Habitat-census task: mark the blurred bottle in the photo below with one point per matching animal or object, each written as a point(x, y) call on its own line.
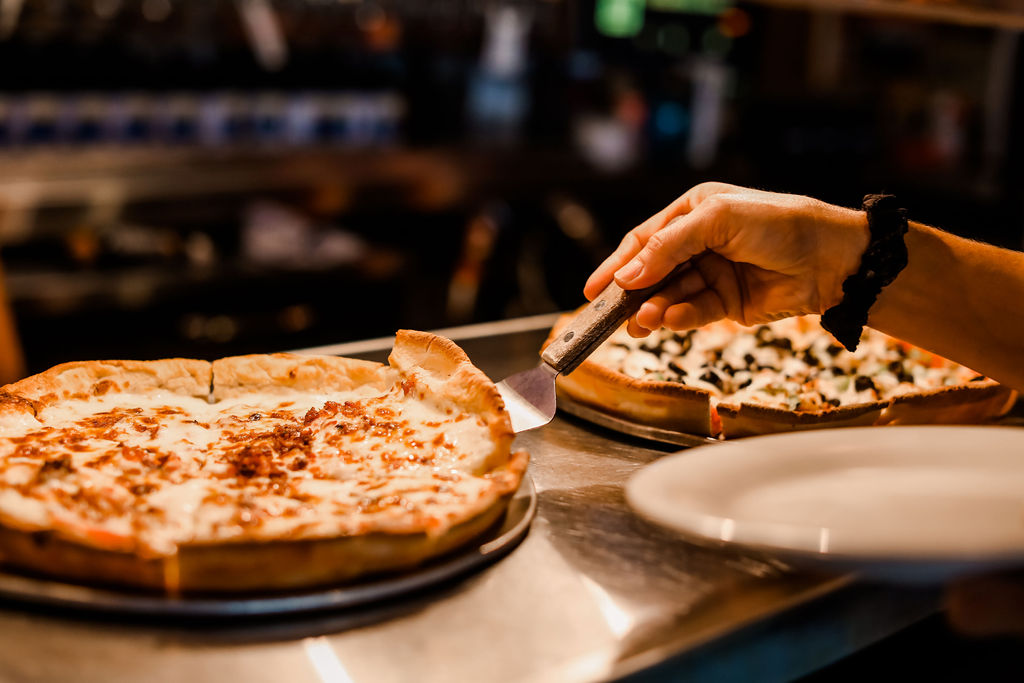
point(300, 119)
point(82, 119)
point(129, 118)
point(177, 118)
point(221, 119)
point(479, 242)
point(34, 119)
point(710, 81)
point(268, 115)
point(498, 98)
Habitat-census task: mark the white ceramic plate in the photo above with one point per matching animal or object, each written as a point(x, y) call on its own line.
point(915, 504)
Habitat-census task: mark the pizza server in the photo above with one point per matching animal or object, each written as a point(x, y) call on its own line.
point(530, 395)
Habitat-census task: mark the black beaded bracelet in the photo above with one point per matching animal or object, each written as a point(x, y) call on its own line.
point(882, 261)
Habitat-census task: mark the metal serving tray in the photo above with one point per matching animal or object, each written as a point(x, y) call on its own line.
point(585, 412)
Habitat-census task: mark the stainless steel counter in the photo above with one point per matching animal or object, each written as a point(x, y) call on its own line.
point(592, 593)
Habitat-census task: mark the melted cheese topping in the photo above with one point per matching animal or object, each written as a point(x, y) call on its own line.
point(148, 472)
point(792, 364)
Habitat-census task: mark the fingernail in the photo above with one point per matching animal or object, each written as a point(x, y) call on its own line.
point(629, 271)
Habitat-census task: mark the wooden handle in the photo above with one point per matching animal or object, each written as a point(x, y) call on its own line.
point(595, 323)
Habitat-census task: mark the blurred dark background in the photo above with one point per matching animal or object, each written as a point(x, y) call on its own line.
point(208, 177)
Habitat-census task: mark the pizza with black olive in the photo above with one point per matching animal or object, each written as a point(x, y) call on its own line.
point(252, 472)
point(728, 380)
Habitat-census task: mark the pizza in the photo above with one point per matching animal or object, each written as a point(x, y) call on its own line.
point(728, 381)
point(251, 473)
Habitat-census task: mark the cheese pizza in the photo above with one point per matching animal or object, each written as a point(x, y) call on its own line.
point(728, 380)
point(253, 472)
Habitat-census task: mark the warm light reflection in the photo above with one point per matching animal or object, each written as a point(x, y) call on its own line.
point(618, 620)
point(823, 539)
point(325, 661)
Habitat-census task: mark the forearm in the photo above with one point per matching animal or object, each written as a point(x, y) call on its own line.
point(960, 299)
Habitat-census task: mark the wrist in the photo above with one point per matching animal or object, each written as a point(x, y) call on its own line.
point(844, 237)
point(884, 259)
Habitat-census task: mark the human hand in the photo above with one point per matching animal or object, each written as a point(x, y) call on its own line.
point(756, 257)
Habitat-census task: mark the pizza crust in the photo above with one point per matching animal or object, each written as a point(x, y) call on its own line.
point(435, 366)
point(961, 404)
point(667, 405)
point(279, 373)
point(747, 419)
point(82, 379)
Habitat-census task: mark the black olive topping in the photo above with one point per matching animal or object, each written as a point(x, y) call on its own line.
point(862, 383)
point(712, 378)
point(763, 334)
point(834, 402)
point(834, 350)
point(897, 368)
point(810, 359)
point(745, 383)
point(676, 368)
point(749, 359)
point(685, 341)
point(781, 343)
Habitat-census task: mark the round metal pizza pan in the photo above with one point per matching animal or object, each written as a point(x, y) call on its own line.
point(497, 543)
point(617, 424)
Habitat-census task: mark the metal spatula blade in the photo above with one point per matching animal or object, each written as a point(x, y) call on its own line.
point(530, 395)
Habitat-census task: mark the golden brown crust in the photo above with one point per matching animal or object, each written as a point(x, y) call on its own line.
point(282, 372)
point(668, 405)
point(747, 419)
point(83, 379)
point(958, 404)
point(446, 370)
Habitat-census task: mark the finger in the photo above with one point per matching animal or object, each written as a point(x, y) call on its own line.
point(636, 330)
point(649, 315)
point(652, 312)
point(702, 308)
point(631, 243)
point(636, 238)
point(681, 239)
point(720, 275)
